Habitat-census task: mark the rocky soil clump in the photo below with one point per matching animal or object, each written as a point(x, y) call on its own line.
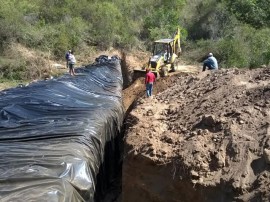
point(205, 138)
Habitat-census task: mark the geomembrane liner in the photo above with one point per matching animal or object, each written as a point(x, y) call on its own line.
point(55, 136)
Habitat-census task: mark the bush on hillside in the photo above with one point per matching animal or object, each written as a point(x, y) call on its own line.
point(13, 69)
point(247, 47)
point(256, 13)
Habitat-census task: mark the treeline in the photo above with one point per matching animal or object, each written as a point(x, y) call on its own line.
point(57, 25)
point(236, 31)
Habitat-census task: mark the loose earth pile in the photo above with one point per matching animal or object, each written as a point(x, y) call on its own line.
point(205, 138)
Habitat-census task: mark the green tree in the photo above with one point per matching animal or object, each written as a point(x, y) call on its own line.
point(164, 19)
point(106, 19)
point(253, 12)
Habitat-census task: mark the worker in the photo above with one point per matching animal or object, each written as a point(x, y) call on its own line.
point(71, 63)
point(67, 56)
point(211, 62)
point(166, 56)
point(149, 82)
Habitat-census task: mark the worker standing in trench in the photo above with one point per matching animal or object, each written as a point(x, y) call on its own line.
point(149, 82)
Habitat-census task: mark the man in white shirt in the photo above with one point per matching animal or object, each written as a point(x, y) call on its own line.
point(71, 63)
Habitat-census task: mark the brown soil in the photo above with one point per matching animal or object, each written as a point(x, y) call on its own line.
point(202, 137)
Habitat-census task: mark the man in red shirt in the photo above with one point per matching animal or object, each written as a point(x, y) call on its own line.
point(149, 81)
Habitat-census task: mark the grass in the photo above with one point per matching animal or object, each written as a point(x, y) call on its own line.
point(5, 83)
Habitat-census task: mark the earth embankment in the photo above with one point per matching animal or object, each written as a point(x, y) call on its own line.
point(202, 137)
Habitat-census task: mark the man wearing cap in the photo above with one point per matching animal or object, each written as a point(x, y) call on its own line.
point(211, 62)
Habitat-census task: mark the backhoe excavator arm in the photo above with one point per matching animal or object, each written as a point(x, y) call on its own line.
point(176, 43)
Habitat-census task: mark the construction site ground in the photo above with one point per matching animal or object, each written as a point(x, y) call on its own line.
point(203, 136)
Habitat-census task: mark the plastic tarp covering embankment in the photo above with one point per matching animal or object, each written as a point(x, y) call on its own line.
point(58, 138)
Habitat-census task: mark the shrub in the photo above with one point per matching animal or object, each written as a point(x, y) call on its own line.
point(245, 47)
point(13, 69)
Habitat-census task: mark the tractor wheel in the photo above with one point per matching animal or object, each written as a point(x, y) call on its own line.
point(164, 71)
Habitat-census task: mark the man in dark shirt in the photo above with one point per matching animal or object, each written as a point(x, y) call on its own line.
point(67, 57)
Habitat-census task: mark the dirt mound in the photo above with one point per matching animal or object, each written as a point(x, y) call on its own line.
point(205, 138)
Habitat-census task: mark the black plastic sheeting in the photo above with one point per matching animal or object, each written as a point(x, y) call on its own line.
point(58, 138)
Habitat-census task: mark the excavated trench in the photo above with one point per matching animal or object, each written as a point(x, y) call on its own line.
point(133, 90)
point(196, 139)
point(131, 95)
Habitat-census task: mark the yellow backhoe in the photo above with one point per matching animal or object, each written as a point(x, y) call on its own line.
point(164, 55)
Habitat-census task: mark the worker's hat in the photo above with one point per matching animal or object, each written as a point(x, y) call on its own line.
point(210, 54)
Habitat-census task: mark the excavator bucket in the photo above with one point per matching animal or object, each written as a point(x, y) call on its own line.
point(138, 73)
